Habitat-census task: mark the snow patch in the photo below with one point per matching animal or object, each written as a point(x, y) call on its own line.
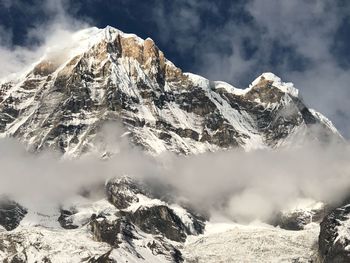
point(286, 87)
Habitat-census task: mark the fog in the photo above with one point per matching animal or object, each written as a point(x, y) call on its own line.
point(256, 185)
point(244, 186)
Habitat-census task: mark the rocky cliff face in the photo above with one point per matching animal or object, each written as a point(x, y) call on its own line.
point(334, 238)
point(65, 99)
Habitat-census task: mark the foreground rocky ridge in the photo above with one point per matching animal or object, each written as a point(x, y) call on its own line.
point(142, 228)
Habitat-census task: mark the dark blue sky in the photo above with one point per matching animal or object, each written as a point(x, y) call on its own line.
point(140, 17)
point(131, 16)
point(306, 42)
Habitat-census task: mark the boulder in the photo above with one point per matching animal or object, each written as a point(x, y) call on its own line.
point(160, 220)
point(112, 232)
point(122, 192)
point(65, 219)
point(298, 218)
point(11, 214)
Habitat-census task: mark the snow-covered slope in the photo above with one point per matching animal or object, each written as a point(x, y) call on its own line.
point(254, 243)
point(132, 225)
point(105, 75)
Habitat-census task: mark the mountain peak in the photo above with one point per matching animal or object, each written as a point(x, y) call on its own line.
point(275, 81)
point(108, 33)
point(105, 75)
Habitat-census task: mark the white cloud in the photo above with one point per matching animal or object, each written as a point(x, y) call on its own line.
point(307, 28)
point(244, 186)
point(55, 30)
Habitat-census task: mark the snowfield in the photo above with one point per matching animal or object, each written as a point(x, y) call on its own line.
point(226, 242)
point(253, 243)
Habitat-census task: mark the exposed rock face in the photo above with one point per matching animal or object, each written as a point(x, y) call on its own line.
point(11, 214)
point(293, 221)
point(65, 219)
point(112, 232)
point(298, 219)
point(334, 238)
point(105, 258)
point(122, 192)
point(154, 218)
point(111, 76)
point(121, 230)
point(160, 220)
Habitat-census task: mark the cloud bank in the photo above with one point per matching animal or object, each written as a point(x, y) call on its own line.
point(243, 186)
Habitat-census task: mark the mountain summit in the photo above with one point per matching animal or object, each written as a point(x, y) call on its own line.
point(105, 75)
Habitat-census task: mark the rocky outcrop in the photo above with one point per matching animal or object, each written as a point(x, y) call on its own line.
point(157, 217)
point(121, 232)
point(160, 220)
point(334, 238)
point(11, 213)
point(123, 191)
point(105, 258)
point(298, 219)
point(293, 221)
point(112, 232)
point(65, 219)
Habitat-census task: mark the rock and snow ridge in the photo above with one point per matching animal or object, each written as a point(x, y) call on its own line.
point(105, 75)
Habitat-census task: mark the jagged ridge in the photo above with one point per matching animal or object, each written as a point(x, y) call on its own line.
point(107, 75)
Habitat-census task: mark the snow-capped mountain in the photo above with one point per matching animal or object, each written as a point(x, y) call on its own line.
point(104, 75)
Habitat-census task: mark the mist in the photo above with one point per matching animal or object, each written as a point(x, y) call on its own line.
point(244, 186)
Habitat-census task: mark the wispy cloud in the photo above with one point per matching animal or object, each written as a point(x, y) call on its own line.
point(56, 24)
point(294, 39)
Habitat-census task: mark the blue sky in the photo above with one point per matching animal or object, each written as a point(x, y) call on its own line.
point(303, 41)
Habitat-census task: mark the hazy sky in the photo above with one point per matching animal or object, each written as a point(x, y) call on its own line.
point(306, 42)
